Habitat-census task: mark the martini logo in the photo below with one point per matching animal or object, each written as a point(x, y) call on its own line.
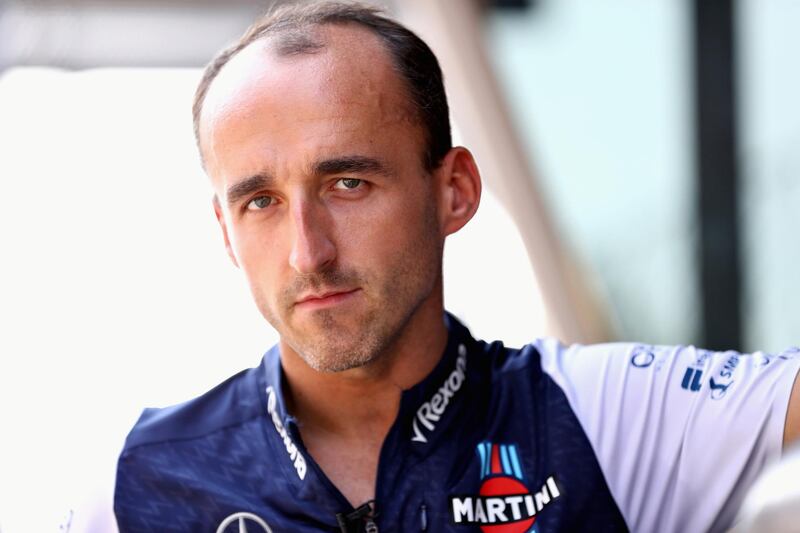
point(504, 504)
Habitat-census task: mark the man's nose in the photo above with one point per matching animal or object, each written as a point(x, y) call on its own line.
point(313, 249)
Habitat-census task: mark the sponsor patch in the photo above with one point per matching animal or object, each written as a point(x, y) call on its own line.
point(296, 457)
point(724, 379)
point(431, 411)
point(693, 376)
point(244, 522)
point(504, 504)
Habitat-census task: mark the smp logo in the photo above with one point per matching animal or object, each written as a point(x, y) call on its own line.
point(720, 386)
point(504, 504)
point(719, 390)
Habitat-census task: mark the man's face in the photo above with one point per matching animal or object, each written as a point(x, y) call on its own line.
point(316, 163)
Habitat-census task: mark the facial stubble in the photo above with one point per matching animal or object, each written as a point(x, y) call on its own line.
point(335, 340)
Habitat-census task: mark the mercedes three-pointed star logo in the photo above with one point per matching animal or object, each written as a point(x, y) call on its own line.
point(243, 520)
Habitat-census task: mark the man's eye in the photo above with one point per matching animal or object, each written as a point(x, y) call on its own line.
point(259, 202)
point(347, 183)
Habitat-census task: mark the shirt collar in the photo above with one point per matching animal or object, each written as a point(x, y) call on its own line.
point(274, 380)
point(429, 407)
point(425, 409)
point(284, 426)
point(298, 467)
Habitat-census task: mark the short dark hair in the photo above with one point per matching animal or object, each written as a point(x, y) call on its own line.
point(413, 59)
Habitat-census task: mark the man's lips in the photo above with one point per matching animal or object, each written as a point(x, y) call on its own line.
point(326, 298)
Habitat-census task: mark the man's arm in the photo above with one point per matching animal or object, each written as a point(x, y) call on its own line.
point(694, 426)
point(791, 432)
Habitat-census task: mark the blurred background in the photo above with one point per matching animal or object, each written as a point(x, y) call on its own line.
point(641, 161)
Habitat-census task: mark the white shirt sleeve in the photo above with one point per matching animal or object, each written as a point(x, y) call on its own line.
point(680, 433)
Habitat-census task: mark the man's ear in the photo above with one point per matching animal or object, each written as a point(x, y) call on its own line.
point(459, 189)
point(224, 227)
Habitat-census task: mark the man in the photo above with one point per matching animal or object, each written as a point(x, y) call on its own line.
point(326, 137)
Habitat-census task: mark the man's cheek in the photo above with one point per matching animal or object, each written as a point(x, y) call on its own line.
point(254, 250)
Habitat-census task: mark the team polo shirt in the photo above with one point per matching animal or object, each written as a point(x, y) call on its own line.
point(546, 438)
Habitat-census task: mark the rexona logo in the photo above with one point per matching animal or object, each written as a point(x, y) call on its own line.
point(431, 411)
point(504, 504)
point(294, 454)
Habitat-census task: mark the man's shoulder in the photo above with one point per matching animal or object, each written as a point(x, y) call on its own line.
point(504, 362)
point(232, 402)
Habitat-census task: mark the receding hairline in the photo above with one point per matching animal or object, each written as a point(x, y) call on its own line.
point(409, 56)
point(309, 39)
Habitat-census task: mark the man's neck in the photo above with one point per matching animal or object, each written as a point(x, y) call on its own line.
point(363, 399)
point(344, 417)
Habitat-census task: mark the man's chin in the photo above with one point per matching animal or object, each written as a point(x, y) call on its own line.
point(330, 349)
point(332, 342)
point(334, 358)
point(335, 365)
point(323, 327)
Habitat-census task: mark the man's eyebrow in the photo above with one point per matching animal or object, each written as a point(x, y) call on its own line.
point(350, 164)
point(247, 186)
point(357, 164)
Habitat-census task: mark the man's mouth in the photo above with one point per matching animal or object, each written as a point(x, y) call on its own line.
point(328, 298)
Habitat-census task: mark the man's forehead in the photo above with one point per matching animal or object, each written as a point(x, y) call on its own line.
point(350, 84)
point(351, 63)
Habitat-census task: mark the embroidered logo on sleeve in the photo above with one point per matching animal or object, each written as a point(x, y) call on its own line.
point(692, 380)
point(724, 379)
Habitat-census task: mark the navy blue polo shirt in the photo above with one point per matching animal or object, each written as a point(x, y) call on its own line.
point(611, 437)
